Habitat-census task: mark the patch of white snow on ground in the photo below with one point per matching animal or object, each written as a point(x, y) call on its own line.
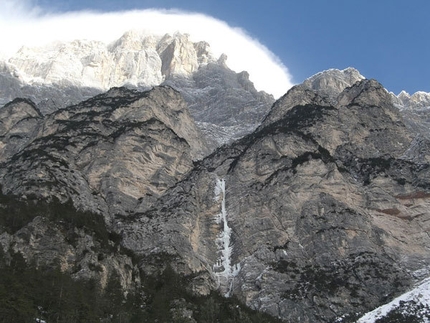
point(420, 294)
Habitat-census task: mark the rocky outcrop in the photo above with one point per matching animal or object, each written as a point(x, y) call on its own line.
point(55, 236)
point(107, 154)
point(82, 67)
point(320, 89)
point(225, 104)
point(19, 124)
point(69, 176)
point(297, 95)
point(413, 108)
point(418, 100)
point(329, 216)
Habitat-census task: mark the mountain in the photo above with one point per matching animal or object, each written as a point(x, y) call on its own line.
point(224, 103)
point(414, 108)
point(193, 201)
point(327, 208)
point(332, 82)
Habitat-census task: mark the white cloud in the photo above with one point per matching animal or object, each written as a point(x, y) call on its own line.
point(29, 25)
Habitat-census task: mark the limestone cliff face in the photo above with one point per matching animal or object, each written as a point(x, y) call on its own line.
point(107, 154)
point(332, 82)
point(85, 68)
point(327, 206)
point(413, 107)
point(319, 214)
point(47, 243)
point(136, 59)
point(418, 100)
point(103, 157)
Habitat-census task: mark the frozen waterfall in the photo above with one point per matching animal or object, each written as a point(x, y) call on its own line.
point(223, 268)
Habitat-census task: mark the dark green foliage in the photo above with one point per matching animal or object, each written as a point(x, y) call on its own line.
point(27, 293)
point(15, 214)
point(296, 121)
point(298, 118)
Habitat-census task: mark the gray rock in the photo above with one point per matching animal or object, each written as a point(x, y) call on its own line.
point(328, 216)
point(108, 154)
point(19, 123)
point(332, 82)
point(326, 202)
point(225, 104)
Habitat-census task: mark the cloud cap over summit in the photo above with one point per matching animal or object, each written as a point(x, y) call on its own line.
point(30, 25)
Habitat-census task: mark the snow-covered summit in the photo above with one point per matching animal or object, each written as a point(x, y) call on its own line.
point(332, 82)
point(417, 101)
point(136, 59)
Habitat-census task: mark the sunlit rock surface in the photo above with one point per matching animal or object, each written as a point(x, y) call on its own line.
point(225, 104)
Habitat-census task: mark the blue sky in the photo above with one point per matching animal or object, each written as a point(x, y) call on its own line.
point(384, 39)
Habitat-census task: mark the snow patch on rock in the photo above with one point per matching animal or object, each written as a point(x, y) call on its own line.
point(419, 297)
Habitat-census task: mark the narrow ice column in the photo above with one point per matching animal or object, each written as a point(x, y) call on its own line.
point(223, 268)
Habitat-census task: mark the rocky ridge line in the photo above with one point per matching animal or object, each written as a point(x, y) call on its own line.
point(224, 103)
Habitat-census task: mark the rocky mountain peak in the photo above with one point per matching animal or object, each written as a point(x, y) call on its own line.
point(317, 202)
point(318, 214)
point(111, 145)
point(418, 100)
point(297, 95)
point(414, 109)
point(133, 41)
point(332, 82)
point(322, 89)
point(136, 59)
point(365, 92)
point(222, 60)
point(179, 55)
point(225, 104)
